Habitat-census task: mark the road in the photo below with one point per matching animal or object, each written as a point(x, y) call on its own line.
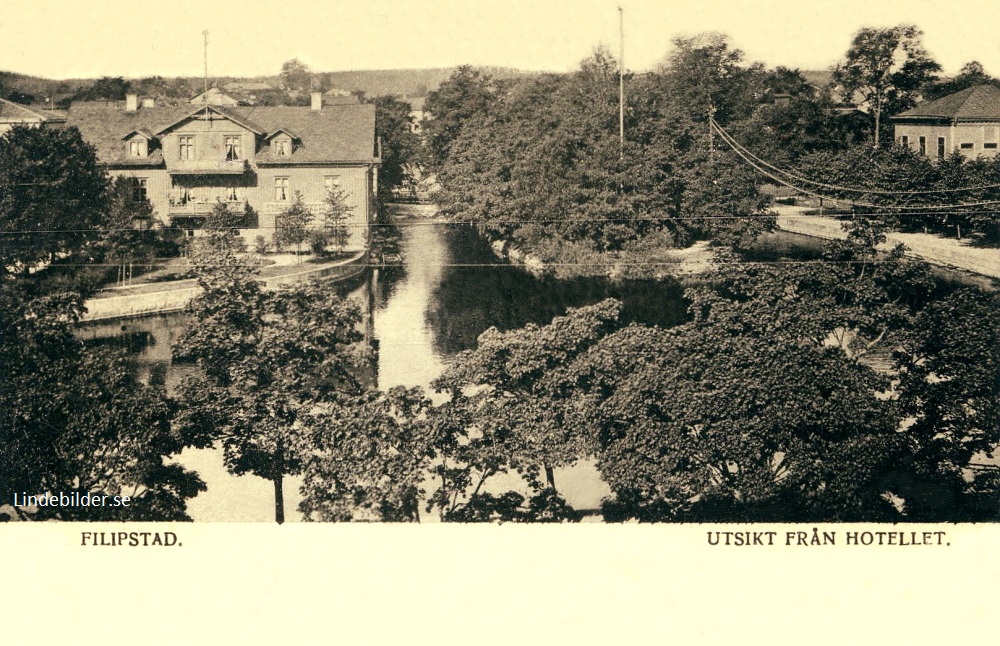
point(935, 249)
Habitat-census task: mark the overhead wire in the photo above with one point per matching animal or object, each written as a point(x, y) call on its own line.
point(750, 159)
point(849, 189)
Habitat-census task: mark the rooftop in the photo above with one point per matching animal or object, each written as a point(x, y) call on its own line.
point(336, 133)
point(10, 111)
point(979, 103)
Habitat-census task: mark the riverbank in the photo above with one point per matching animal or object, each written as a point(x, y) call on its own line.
point(933, 249)
point(173, 296)
point(658, 264)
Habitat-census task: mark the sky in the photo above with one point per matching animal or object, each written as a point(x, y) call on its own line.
point(91, 38)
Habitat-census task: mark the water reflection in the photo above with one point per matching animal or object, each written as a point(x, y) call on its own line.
point(475, 292)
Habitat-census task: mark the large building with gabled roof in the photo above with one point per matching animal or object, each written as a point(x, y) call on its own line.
point(967, 121)
point(256, 160)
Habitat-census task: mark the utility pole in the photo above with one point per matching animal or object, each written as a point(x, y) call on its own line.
point(621, 83)
point(204, 96)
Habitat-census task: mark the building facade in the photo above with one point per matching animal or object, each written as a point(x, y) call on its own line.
point(255, 160)
point(967, 122)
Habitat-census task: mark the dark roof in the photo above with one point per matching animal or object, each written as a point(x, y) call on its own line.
point(103, 124)
point(817, 78)
point(15, 111)
point(141, 131)
point(979, 103)
point(284, 130)
point(342, 133)
point(335, 133)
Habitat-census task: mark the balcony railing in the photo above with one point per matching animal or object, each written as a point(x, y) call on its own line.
point(196, 207)
point(207, 167)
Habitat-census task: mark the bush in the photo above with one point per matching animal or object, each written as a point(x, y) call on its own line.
point(260, 245)
point(318, 240)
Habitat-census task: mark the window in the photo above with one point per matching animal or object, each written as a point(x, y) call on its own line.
point(280, 189)
point(139, 189)
point(905, 141)
point(233, 148)
point(923, 145)
point(232, 195)
point(135, 148)
point(990, 145)
point(281, 147)
point(186, 146)
point(966, 146)
point(941, 148)
point(331, 182)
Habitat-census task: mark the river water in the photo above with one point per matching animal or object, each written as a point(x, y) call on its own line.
point(449, 290)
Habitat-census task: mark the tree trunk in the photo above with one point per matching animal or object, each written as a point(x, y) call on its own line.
point(279, 501)
point(550, 477)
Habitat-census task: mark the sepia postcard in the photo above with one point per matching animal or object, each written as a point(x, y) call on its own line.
point(450, 322)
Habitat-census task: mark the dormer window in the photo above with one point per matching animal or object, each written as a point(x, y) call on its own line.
point(137, 143)
point(282, 142)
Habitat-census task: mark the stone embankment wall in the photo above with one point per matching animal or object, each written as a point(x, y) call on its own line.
point(177, 294)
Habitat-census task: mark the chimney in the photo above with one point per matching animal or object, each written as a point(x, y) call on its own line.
point(131, 102)
point(149, 103)
point(317, 100)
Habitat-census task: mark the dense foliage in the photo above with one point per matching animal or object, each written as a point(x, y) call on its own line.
point(906, 190)
point(539, 161)
point(52, 194)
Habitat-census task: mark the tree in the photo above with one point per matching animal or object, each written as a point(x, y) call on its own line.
point(293, 224)
point(125, 232)
point(719, 419)
point(949, 365)
point(370, 458)
point(460, 101)
point(971, 75)
point(764, 407)
point(400, 145)
point(52, 194)
point(705, 73)
point(335, 215)
point(296, 76)
point(268, 360)
point(886, 67)
point(796, 120)
point(509, 410)
point(106, 88)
